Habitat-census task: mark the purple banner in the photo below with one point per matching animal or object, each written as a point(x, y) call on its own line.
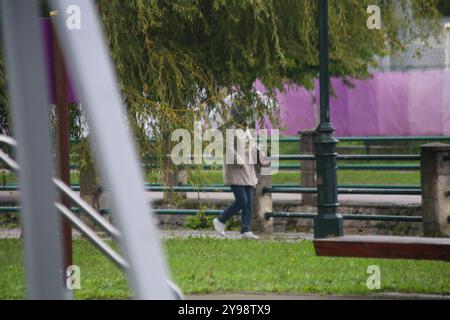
point(413, 103)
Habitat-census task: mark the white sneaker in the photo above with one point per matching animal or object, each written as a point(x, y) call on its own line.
point(219, 227)
point(249, 236)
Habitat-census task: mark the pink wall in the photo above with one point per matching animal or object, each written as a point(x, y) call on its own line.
point(414, 103)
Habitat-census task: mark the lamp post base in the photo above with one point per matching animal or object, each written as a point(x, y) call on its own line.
point(327, 226)
point(328, 222)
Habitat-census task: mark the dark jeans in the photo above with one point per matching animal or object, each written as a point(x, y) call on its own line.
point(243, 201)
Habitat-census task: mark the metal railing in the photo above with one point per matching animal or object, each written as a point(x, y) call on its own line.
point(155, 187)
point(356, 217)
point(93, 237)
point(362, 191)
point(118, 260)
point(352, 157)
point(75, 221)
point(275, 189)
point(297, 167)
point(192, 212)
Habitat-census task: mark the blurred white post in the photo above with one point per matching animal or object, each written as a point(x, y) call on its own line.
point(86, 52)
point(28, 94)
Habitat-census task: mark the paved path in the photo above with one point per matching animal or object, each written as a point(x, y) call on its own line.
point(233, 235)
point(9, 233)
point(183, 234)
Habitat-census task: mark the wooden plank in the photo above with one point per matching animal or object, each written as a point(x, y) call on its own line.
point(385, 247)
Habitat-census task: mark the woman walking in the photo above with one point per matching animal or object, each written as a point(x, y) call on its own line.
point(240, 175)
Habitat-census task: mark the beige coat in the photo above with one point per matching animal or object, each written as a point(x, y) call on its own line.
point(241, 171)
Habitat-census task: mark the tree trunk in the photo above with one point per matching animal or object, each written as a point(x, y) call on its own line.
point(90, 189)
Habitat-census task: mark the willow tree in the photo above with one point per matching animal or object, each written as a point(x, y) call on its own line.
point(444, 7)
point(178, 60)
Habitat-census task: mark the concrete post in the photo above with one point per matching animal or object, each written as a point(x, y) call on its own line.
point(262, 203)
point(435, 178)
point(308, 172)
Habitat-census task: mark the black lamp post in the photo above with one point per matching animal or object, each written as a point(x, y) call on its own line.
point(327, 223)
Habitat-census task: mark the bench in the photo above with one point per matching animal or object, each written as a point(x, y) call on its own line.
point(385, 247)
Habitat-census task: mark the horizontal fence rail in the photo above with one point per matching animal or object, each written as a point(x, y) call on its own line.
point(185, 212)
point(352, 157)
point(311, 157)
point(356, 217)
point(345, 191)
point(351, 167)
point(297, 167)
point(276, 188)
point(297, 215)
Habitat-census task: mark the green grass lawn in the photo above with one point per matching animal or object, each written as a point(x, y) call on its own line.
point(344, 177)
point(201, 266)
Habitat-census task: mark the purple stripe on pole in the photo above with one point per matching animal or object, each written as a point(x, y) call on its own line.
point(48, 52)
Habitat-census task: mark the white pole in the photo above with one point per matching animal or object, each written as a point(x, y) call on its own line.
point(29, 101)
point(91, 67)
